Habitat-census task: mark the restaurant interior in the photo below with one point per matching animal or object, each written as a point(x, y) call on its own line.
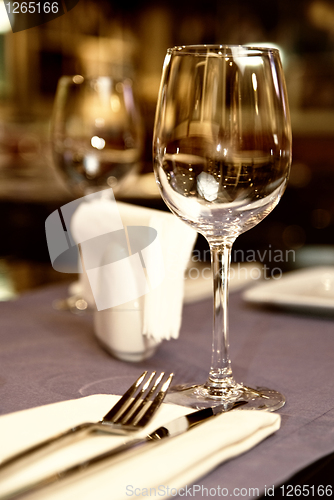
point(131, 38)
point(52, 364)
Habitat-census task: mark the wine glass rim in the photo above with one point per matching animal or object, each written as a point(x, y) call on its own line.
point(221, 49)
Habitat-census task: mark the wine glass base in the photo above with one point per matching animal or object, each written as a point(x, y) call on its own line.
point(200, 396)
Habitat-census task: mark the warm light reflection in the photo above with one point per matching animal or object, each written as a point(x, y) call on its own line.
point(91, 165)
point(97, 142)
point(115, 103)
point(254, 81)
point(78, 79)
point(207, 186)
point(321, 14)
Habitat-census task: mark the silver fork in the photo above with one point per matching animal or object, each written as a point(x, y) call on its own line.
point(132, 412)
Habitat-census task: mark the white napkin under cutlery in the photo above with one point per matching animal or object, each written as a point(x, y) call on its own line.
point(163, 468)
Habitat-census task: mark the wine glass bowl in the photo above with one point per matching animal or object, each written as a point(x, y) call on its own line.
point(226, 158)
point(222, 155)
point(97, 137)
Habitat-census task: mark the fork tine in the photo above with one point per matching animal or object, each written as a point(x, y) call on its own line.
point(150, 411)
point(145, 402)
point(131, 408)
point(138, 404)
point(125, 399)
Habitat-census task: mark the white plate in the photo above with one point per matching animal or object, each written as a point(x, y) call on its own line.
point(309, 290)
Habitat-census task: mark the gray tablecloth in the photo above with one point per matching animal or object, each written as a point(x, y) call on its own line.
point(48, 356)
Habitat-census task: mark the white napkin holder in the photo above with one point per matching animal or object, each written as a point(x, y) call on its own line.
point(132, 329)
point(120, 331)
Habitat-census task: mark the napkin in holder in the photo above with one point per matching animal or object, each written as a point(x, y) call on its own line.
point(133, 261)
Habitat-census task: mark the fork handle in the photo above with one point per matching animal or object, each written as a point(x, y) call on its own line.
point(45, 444)
point(38, 484)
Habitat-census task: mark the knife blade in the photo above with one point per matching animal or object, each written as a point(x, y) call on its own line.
point(183, 424)
point(171, 429)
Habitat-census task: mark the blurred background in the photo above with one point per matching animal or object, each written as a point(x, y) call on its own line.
point(130, 38)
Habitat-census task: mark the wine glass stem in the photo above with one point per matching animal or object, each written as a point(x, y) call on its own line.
point(220, 376)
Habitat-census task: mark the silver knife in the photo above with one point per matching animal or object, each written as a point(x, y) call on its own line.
point(173, 428)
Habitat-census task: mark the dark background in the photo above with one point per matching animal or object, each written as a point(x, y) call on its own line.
point(99, 37)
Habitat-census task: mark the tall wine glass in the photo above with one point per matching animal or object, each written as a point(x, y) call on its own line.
point(222, 155)
point(96, 132)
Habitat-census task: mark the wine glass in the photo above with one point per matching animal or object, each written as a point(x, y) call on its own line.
point(97, 143)
point(222, 155)
point(96, 132)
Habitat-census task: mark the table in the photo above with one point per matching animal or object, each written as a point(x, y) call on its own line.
point(48, 356)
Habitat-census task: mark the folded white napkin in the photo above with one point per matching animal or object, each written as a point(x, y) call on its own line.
point(167, 466)
point(153, 269)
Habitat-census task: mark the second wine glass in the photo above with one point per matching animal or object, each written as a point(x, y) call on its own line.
point(97, 133)
point(222, 155)
point(97, 143)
